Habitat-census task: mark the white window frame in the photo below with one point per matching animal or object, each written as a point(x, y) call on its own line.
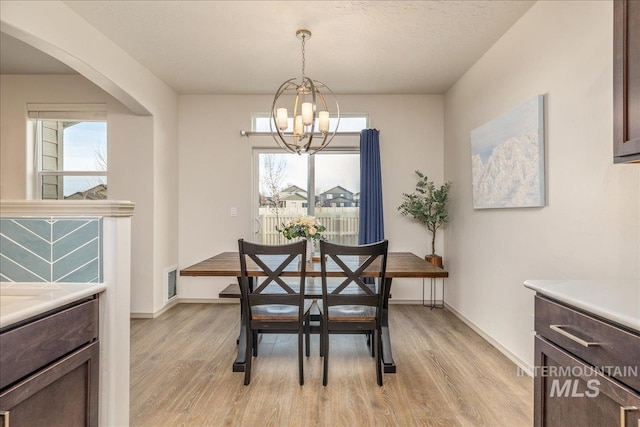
point(341, 129)
point(60, 112)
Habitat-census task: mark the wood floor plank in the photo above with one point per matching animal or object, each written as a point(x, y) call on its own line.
point(447, 375)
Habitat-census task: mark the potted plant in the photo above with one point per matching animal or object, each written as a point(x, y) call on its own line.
point(428, 205)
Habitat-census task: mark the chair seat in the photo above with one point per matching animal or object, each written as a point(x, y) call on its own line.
point(278, 311)
point(351, 313)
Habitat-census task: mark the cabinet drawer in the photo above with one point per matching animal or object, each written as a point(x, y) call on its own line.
point(36, 344)
point(608, 348)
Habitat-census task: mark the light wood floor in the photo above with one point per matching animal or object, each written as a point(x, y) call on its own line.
point(447, 375)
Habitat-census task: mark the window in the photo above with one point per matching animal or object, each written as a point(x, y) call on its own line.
point(284, 192)
point(348, 123)
point(325, 185)
point(70, 151)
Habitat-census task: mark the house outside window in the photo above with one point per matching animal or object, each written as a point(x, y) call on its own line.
point(69, 151)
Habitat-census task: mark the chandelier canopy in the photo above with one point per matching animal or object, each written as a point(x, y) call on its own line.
point(307, 129)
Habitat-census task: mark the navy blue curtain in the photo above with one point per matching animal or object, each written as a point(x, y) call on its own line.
point(371, 218)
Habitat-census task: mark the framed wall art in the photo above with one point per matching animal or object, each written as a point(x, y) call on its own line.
point(507, 158)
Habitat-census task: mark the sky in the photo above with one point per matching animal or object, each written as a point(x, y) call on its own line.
point(331, 170)
point(84, 143)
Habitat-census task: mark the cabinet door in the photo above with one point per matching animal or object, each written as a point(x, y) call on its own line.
point(64, 394)
point(568, 392)
point(626, 81)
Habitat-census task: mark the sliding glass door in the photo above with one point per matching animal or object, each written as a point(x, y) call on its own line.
point(325, 185)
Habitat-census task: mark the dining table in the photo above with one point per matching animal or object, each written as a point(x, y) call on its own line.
point(399, 265)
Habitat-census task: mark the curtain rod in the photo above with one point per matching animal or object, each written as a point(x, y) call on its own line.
point(248, 133)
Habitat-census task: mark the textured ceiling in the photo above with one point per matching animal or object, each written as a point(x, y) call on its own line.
point(202, 47)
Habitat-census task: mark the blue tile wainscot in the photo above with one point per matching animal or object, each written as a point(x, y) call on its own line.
point(51, 249)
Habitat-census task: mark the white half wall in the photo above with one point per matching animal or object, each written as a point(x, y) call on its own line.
point(590, 227)
point(216, 173)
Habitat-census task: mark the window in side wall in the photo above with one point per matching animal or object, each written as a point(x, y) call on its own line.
point(70, 151)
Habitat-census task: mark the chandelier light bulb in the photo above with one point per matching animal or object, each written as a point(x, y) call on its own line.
point(323, 119)
point(307, 113)
point(298, 129)
point(282, 119)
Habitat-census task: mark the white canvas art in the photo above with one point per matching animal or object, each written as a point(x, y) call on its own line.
point(507, 157)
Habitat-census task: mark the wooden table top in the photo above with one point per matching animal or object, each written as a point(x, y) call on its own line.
point(399, 264)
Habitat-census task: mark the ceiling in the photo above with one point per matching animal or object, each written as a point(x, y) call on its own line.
point(242, 47)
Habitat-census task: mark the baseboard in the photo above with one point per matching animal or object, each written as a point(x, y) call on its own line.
point(427, 303)
point(167, 306)
point(209, 300)
point(523, 367)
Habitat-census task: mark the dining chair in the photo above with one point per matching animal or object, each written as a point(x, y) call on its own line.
point(276, 304)
point(352, 303)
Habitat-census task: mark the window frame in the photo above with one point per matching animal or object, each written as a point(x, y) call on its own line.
point(255, 168)
point(60, 112)
point(257, 116)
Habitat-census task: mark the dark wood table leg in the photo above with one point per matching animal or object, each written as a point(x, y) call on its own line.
point(387, 356)
point(238, 364)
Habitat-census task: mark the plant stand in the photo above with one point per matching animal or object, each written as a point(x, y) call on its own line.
point(432, 298)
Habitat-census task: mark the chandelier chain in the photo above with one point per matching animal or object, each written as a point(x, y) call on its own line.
point(303, 40)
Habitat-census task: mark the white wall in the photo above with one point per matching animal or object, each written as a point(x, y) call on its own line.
point(591, 226)
point(130, 174)
point(216, 171)
point(58, 31)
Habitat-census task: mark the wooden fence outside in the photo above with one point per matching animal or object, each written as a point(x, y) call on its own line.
point(342, 223)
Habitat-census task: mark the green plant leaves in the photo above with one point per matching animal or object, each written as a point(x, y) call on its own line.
point(427, 204)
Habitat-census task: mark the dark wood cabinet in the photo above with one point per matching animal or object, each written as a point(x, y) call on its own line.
point(49, 369)
point(571, 393)
point(626, 81)
point(586, 369)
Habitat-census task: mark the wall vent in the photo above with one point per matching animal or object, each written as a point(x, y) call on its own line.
point(171, 283)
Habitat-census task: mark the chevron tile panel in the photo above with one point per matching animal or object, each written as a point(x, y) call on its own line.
point(62, 250)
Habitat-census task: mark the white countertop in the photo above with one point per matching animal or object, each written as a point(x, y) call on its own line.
point(20, 301)
point(614, 300)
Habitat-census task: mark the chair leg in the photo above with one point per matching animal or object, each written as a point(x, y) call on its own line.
point(372, 346)
point(307, 333)
point(325, 351)
point(379, 356)
point(254, 336)
point(247, 357)
point(321, 335)
point(300, 358)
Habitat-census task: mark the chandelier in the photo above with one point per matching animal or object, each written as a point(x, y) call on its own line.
point(307, 129)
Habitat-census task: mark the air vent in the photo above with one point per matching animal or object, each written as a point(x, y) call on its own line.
point(171, 283)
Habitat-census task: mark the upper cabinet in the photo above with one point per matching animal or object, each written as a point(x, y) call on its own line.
point(626, 81)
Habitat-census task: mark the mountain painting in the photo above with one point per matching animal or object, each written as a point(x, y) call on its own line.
point(507, 158)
